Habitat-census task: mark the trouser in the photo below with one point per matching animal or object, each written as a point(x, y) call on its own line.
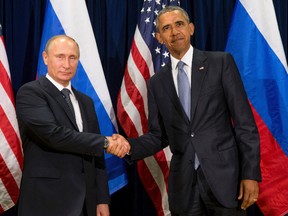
point(205, 204)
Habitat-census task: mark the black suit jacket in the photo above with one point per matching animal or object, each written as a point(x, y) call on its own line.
point(228, 151)
point(63, 168)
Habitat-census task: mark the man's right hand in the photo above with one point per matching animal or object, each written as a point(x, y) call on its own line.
point(118, 145)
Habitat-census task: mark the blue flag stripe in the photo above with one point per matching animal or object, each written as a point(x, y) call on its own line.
point(116, 168)
point(265, 81)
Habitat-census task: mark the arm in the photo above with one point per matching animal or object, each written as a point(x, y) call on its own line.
point(43, 121)
point(246, 133)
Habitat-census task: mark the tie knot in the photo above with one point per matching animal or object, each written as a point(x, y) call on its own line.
point(180, 65)
point(65, 92)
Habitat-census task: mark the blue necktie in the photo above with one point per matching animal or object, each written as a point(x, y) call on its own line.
point(66, 94)
point(184, 93)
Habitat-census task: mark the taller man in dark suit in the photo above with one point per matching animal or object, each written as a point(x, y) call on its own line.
point(64, 169)
point(211, 133)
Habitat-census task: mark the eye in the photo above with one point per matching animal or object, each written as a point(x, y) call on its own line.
point(165, 28)
point(180, 23)
point(59, 57)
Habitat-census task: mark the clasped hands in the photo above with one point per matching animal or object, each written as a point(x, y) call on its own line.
point(118, 146)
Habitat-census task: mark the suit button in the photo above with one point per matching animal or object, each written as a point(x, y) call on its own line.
point(192, 134)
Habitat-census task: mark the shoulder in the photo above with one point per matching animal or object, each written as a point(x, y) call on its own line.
point(212, 55)
point(162, 73)
point(81, 96)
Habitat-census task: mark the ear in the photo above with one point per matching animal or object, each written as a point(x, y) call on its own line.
point(192, 28)
point(159, 38)
point(45, 57)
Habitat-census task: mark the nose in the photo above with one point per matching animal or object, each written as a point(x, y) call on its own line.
point(66, 63)
point(174, 30)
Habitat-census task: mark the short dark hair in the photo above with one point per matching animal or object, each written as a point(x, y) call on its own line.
point(169, 9)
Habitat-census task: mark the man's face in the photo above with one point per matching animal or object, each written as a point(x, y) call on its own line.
point(174, 31)
point(62, 60)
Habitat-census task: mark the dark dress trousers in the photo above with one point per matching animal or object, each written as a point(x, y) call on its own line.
point(63, 168)
point(222, 130)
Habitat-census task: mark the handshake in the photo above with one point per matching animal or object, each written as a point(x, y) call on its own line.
point(118, 146)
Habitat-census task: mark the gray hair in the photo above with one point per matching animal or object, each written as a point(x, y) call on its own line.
point(169, 9)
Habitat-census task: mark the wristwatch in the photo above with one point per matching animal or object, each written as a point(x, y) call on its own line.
point(106, 143)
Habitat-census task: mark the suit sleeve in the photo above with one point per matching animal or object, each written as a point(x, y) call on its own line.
point(156, 139)
point(246, 132)
point(43, 121)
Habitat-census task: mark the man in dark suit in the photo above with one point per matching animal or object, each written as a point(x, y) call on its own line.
point(212, 135)
point(64, 168)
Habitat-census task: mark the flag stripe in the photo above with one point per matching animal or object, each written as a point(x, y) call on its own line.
point(60, 19)
point(150, 182)
point(266, 25)
point(146, 56)
point(10, 144)
point(11, 155)
point(255, 43)
point(273, 188)
point(10, 197)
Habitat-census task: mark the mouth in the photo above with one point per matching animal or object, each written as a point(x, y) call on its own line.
point(176, 40)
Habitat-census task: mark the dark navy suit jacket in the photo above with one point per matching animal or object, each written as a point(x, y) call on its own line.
point(222, 130)
point(63, 168)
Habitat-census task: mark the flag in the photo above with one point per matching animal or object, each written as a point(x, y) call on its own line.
point(254, 41)
point(72, 19)
point(11, 155)
point(146, 57)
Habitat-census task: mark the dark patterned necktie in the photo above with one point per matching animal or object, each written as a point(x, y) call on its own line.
point(66, 94)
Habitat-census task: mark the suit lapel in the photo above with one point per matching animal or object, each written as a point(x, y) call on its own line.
point(82, 108)
point(167, 83)
point(57, 95)
point(199, 69)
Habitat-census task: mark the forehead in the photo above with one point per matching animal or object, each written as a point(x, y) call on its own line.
point(63, 45)
point(59, 42)
point(171, 17)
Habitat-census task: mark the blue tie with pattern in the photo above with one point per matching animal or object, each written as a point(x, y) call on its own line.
point(184, 93)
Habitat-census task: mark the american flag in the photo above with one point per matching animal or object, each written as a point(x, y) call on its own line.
point(146, 57)
point(11, 155)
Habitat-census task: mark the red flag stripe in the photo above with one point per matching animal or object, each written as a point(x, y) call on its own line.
point(123, 117)
point(11, 191)
point(132, 104)
point(274, 173)
point(138, 101)
point(4, 71)
point(11, 155)
point(150, 183)
point(130, 93)
point(11, 136)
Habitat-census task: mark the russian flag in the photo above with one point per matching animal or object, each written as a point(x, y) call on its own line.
point(255, 43)
point(71, 18)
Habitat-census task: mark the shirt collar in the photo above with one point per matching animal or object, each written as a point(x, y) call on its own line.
point(187, 59)
point(58, 85)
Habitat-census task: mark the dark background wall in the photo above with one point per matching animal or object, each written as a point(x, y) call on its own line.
point(114, 23)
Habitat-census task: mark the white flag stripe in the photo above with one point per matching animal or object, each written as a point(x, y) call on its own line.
point(154, 168)
point(9, 109)
point(85, 39)
point(5, 200)
point(138, 81)
point(3, 58)
point(168, 155)
point(10, 159)
point(266, 25)
point(131, 110)
point(144, 50)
